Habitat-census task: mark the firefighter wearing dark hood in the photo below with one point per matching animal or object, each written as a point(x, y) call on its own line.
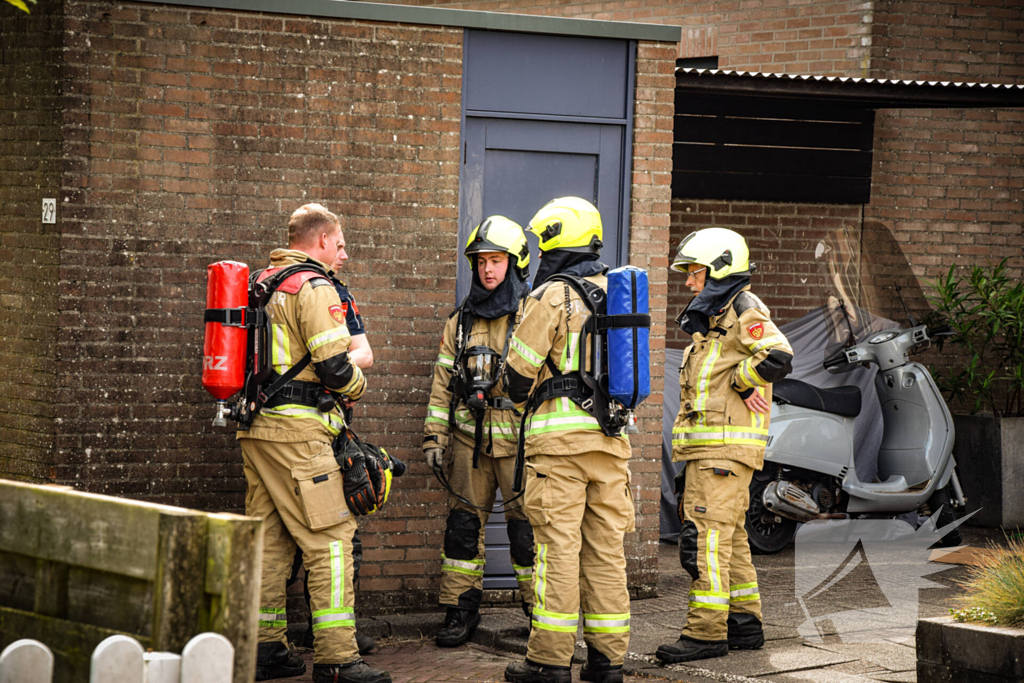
point(721, 431)
point(472, 420)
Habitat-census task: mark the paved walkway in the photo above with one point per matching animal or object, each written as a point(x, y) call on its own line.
point(408, 652)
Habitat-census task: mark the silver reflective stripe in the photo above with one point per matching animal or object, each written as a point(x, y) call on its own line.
point(709, 598)
point(598, 623)
point(699, 435)
point(745, 591)
point(552, 621)
point(524, 571)
point(463, 565)
point(270, 616)
point(747, 435)
point(327, 618)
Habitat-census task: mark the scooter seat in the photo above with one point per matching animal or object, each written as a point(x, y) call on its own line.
point(843, 401)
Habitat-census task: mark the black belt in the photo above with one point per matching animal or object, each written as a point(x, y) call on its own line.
point(295, 391)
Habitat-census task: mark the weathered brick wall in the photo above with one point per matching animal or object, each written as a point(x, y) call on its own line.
point(192, 135)
point(948, 183)
point(782, 238)
point(830, 37)
point(648, 243)
point(30, 168)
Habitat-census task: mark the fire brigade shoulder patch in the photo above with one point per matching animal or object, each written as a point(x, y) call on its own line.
point(337, 312)
point(756, 330)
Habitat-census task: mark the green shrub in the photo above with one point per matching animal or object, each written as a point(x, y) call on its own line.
point(986, 312)
point(995, 590)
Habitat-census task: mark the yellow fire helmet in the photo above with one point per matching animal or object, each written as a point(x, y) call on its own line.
point(500, 234)
point(723, 251)
point(569, 223)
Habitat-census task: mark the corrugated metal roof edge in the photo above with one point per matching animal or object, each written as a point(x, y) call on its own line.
point(845, 79)
point(439, 16)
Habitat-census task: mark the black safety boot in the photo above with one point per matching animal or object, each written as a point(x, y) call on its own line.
point(599, 669)
point(274, 660)
point(458, 627)
point(354, 672)
point(365, 644)
point(745, 632)
point(690, 649)
point(531, 672)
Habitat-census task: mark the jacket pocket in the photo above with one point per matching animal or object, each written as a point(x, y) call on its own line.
point(321, 492)
point(538, 494)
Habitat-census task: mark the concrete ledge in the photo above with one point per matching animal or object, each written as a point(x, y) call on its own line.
point(951, 651)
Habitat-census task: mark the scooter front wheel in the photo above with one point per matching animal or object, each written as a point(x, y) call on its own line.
point(767, 533)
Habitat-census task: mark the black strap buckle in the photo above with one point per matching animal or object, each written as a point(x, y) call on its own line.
point(228, 317)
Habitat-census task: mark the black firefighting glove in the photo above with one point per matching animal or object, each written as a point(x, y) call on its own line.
point(359, 494)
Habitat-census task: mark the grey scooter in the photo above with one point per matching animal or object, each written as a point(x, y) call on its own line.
point(809, 468)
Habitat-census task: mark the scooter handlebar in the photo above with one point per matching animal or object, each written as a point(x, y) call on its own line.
point(940, 331)
point(835, 361)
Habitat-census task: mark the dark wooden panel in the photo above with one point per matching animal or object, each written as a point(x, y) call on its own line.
point(771, 187)
point(776, 132)
point(774, 160)
point(800, 110)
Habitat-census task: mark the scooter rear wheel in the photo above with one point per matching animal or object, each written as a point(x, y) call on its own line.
point(765, 535)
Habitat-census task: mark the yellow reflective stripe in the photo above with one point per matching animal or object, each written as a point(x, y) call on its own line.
point(606, 623)
point(561, 420)
point(523, 573)
point(499, 430)
point(555, 621)
point(445, 361)
point(749, 376)
point(270, 617)
point(711, 557)
point(774, 340)
point(435, 414)
point(744, 592)
point(700, 403)
point(717, 600)
point(528, 354)
point(741, 586)
point(337, 574)
point(294, 411)
point(694, 604)
point(318, 340)
point(541, 584)
point(701, 436)
point(280, 350)
point(470, 567)
point(570, 361)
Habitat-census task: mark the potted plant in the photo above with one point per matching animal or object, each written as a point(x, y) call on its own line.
point(986, 384)
point(984, 639)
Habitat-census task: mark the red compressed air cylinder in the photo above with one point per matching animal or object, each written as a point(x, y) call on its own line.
point(227, 286)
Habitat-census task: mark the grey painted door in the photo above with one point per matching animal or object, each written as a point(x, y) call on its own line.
point(544, 116)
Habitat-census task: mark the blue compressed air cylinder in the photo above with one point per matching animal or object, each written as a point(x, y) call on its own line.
point(629, 348)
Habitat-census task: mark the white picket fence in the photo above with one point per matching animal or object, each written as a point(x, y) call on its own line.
point(207, 658)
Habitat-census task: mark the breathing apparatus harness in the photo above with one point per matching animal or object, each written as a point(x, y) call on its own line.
point(476, 370)
point(264, 388)
point(588, 390)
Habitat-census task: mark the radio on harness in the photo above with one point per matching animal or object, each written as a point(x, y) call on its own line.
point(236, 309)
point(614, 342)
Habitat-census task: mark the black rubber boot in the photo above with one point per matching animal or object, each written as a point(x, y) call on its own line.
point(458, 627)
point(354, 672)
point(599, 669)
point(366, 644)
point(275, 660)
point(745, 632)
point(531, 672)
point(690, 649)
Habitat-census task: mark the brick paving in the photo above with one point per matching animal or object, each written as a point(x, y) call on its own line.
point(420, 661)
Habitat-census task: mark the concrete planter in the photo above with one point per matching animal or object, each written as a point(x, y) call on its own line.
point(990, 464)
point(948, 652)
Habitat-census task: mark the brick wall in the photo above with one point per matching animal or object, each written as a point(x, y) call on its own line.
point(648, 243)
point(948, 183)
point(192, 135)
point(782, 238)
point(30, 144)
point(830, 37)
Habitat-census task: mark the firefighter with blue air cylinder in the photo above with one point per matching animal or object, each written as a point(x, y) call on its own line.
point(577, 494)
point(472, 419)
point(721, 432)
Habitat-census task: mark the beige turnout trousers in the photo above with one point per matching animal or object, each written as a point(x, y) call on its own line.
point(297, 489)
point(478, 486)
point(580, 507)
point(715, 501)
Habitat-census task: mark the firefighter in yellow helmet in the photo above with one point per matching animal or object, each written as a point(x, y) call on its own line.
point(721, 431)
point(577, 494)
point(471, 416)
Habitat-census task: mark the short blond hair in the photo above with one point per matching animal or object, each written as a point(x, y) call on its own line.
point(307, 221)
